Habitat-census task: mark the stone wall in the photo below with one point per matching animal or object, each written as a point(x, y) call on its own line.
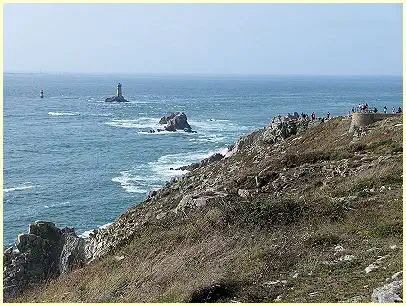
point(360, 120)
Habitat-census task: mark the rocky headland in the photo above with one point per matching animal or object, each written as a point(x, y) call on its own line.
point(299, 211)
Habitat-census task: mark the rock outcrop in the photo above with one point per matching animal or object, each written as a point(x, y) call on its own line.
point(44, 253)
point(116, 99)
point(176, 121)
point(275, 132)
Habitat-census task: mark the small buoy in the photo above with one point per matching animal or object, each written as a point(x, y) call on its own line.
point(42, 93)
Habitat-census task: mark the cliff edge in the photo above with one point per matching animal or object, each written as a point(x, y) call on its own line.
point(292, 213)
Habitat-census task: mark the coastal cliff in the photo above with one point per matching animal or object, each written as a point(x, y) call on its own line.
point(295, 212)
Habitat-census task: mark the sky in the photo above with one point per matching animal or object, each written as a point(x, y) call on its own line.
point(270, 39)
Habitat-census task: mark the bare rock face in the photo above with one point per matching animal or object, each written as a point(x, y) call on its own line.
point(72, 254)
point(176, 121)
point(389, 293)
point(45, 252)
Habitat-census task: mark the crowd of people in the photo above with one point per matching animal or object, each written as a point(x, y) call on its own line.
point(364, 108)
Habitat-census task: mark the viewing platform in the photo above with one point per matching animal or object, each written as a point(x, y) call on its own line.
point(360, 120)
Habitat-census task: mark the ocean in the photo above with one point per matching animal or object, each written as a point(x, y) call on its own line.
point(78, 161)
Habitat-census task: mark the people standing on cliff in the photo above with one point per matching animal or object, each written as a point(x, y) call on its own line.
point(399, 110)
point(375, 110)
point(384, 109)
point(393, 109)
point(328, 115)
point(313, 116)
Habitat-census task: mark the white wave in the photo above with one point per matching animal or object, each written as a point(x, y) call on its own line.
point(161, 132)
point(85, 234)
point(18, 188)
point(63, 114)
point(211, 138)
point(128, 182)
point(140, 123)
point(105, 225)
point(142, 102)
point(223, 151)
point(66, 203)
point(216, 125)
point(165, 165)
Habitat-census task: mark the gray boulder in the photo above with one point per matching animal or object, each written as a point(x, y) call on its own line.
point(176, 121)
point(389, 293)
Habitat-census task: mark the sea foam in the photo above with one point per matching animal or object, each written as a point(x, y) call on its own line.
point(140, 123)
point(129, 182)
point(63, 114)
point(165, 165)
point(85, 234)
point(18, 188)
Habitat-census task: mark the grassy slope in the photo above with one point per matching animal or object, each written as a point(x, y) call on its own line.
point(319, 189)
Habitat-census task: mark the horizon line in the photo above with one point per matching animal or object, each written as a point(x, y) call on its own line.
point(202, 74)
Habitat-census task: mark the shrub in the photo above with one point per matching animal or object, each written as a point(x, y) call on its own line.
point(357, 147)
point(295, 160)
point(323, 240)
point(221, 291)
point(397, 148)
point(285, 212)
point(335, 211)
point(388, 229)
point(338, 155)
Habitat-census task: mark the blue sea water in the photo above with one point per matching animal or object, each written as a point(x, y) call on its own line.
point(78, 161)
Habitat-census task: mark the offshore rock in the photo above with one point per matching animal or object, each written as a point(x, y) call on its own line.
point(44, 253)
point(176, 121)
point(116, 99)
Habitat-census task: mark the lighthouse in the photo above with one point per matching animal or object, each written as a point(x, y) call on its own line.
point(118, 97)
point(119, 93)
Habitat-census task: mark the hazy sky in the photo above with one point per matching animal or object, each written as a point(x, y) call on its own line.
point(204, 38)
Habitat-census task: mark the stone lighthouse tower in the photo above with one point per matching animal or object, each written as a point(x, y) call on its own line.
point(119, 97)
point(119, 92)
